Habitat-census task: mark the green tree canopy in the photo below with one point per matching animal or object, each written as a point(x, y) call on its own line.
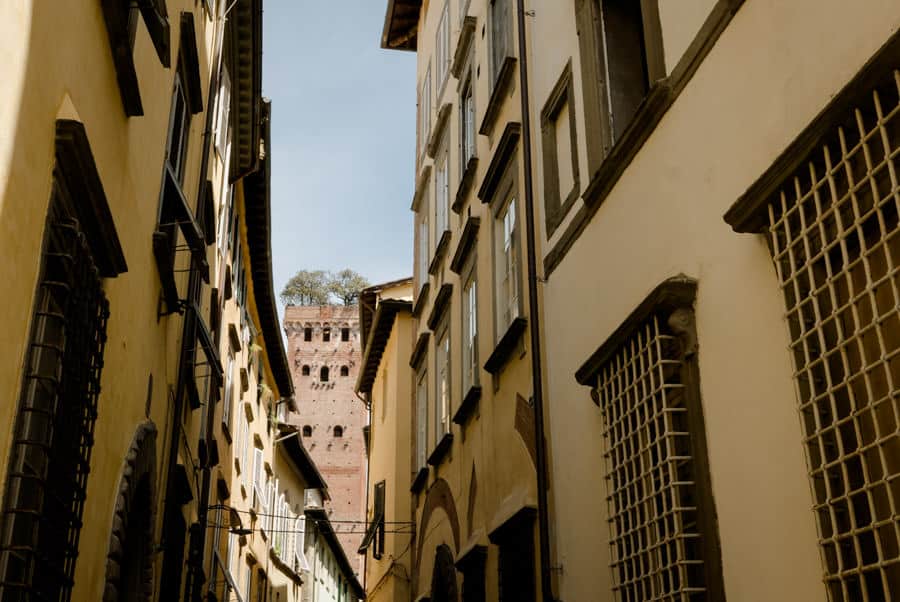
point(346, 285)
point(318, 287)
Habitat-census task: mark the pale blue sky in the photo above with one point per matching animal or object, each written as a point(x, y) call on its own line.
point(343, 137)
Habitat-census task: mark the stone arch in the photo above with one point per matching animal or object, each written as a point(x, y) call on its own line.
point(129, 563)
point(438, 496)
point(443, 577)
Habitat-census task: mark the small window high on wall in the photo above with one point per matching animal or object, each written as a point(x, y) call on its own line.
point(323, 374)
point(304, 370)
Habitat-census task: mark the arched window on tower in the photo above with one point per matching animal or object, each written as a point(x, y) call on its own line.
point(326, 334)
point(307, 431)
point(338, 431)
point(305, 370)
point(323, 374)
point(345, 371)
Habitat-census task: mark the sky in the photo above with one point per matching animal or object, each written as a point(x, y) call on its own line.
point(343, 138)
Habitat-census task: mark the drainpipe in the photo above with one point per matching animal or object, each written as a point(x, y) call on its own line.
point(535, 317)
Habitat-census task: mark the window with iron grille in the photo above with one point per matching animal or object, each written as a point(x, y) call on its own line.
point(50, 455)
point(835, 240)
point(663, 535)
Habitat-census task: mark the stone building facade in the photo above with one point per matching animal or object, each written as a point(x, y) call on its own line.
point(324, 355)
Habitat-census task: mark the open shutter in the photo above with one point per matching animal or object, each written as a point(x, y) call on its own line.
point(157, 20)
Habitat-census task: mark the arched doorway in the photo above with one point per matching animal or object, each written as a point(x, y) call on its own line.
point(443, 579)
point(129, 564)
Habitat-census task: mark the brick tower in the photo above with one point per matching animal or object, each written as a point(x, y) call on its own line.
point(324, 354)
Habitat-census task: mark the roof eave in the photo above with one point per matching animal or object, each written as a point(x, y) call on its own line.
point(393, 35)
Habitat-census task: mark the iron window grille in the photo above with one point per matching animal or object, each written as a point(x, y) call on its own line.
point(835, 240)
point(663, 537)
point(50, 457)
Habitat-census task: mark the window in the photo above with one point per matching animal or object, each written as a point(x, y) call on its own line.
point(423, 242)
point(229, 390)
point(223, 115)
point(305, 370)
point(345, 334)
point(326, 335)
point(425, 110)
point(441, 193)
point(345, 371)
point(516, 565)
point(560, 151)
point(307, 334)
point(470, 370)
point(655, 461)
point(259, 484)
point(621, 55)
point(248, 583)
point(179, 128)
point(338, 431)
point(507, 256)
point(442, 373)
point(421, 417)
point(501, 37)
point(50, 455)
point(467, 122)
point(246, 444)
point(378, 547)
point(323, 374)
point(834, 232)
point(307, 430)
point(442, 58)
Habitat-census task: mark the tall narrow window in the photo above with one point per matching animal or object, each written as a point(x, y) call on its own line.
point(834, 233)
point(227, 398)
point(425, 110)
point(560, 151)
point(421, 417)
point(345, 334)
point(345, 371)
point(470, 370)
point(326, 335)
point(179, 127)
point(442, 56)
point(501, 36)
point(323, 374)
point(50, 455)
point(621, 57)
point(646, 385)
point(307, 334)
point(304, 371)
point(441, 193)
point(442, 397)
point(507, 267)
point(223, 114)
point(516, 564)
point(422, 251)
point(467, 122)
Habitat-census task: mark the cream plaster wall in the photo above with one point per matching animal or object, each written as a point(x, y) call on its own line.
point(773, 69)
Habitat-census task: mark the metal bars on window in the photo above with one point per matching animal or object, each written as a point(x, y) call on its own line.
point(50, 457)
point(836, 245)
point(655, 538)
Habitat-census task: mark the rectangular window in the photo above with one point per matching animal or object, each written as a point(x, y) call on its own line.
point(470, 371)
point(835, 237)
point(307, 334)
point(345, 334)
point(326, 335)
point(50, 454)
point(179, 128)
point(507, 256)
point(245, 451)
point(442, 58)
point(559, 146)
point(442, 381)
point(501, 36)
point(516, 566)
point(467, 122)
point(661, 515)
point(378, 507)
point(223, 114)
point(441, 193)
point(425, 110)
point(421, 418)
point(423, 249)
point(620, 43)
point(259, 485)
point(227, 398)
point(248, 582)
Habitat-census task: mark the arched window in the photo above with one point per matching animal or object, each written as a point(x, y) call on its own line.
point(326, 334)
point(305, 370)
point(323, 374)
point(345, 371)
point(345, 334)
point(307, 431)
point(338, 431)
point(307, 334)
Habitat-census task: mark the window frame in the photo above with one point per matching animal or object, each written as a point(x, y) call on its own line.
point(471, 370)
point(443, 58)
point(555, 206)
point(498, 52)
point(443, 381)
point(425, 106)
point(502, 261)
point(422, 416)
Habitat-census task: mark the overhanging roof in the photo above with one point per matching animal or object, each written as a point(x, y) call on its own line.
point(259, 230)
point(296, 451)
point(244, 43)
point(401, 25)
point(377, 340)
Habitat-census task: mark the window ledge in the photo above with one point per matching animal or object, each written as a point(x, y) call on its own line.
point(465, 185)
point(421, 298)
point(498, 96)
point(439, 252)
point(503, 153)
point(421, 185)
point(437, 133)
point(505, 346)
point(419, 350)
point(419, 480)
point(468, 405)
point(441, 303)
point(466, 35)
point(440, 450)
